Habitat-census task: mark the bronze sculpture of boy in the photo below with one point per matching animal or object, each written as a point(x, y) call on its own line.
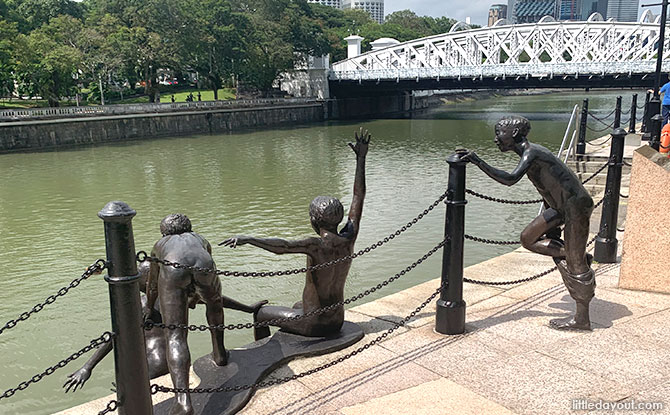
point(566, 202)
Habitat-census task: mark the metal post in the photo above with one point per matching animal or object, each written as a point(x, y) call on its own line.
point(633, 115)
point(581, 142)
point(130, 360)
point(450, 315)
point(655, 130)
point(645, 116)
point(617, 113)
point(606, 242)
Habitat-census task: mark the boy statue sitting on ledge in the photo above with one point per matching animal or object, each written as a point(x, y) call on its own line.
point(566, 202)
point(323, 287)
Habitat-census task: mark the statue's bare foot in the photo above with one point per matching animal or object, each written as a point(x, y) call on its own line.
point(182, 408)
point(220, 359)
point(569, 324)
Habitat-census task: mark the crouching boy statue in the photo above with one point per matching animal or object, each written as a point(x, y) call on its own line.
point(566, 202)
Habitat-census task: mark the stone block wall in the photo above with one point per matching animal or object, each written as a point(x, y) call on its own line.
point(645, 263)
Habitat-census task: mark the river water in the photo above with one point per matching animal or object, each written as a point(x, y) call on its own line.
point(252, 182)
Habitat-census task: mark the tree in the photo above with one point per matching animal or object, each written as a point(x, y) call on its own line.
point(32, 14)
point(46, 68)
point(8, 33)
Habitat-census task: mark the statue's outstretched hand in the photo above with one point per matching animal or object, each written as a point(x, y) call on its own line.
point(362, 141)
point(235, 241)
point(77, 379)
point(472, 157)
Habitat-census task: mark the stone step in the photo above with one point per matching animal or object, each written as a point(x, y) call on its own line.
point(592, 166)
point(601, 178)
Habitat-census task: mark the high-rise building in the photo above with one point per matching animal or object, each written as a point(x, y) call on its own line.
point(623, 10)
point(510, 11)
point(568, 10)
point(497, 12)
point(332, 3)
point(374, 7)
point(531, 11)
point(593, 6)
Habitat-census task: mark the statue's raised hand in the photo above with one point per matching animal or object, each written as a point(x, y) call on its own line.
point(77, 379)
point(362, 141)
point(235, 241)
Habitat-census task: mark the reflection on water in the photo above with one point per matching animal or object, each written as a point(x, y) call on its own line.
point(255, 182)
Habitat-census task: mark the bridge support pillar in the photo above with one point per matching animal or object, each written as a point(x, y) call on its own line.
point(450, 315)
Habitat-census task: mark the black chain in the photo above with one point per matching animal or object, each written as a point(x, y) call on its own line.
point(111, 407)
point(600, 130)
point(142, 256)
point(494, 199)
point(277, 321)
point(626, 163)
point(597, 172)
point(519, 281)
point(104, 338)
point(157, 388)
point(95, 268)
point(603, 118)
point(609, 137)
point(491, 241)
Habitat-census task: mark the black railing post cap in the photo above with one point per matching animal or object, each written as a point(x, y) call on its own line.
point(619, 132)
point(456, 156)
point(116, 211)
point(657, 117)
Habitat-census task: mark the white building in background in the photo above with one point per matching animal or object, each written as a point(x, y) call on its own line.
point(332, 3)
point(374, 7)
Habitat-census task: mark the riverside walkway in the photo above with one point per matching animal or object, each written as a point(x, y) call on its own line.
point(509, 361)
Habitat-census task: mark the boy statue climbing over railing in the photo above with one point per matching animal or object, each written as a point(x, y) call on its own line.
point(566, 202)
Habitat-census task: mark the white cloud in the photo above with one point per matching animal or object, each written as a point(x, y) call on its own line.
point(477, 10)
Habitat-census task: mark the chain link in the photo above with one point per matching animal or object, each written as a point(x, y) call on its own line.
point(509, 202)
point(142, 256)
point(519, 281)
point(490, 241)
point(597, 172)
point(110, 407)
point(157, 388)
point(94, 268)
point(277, 321)
point(593, 143)
point(603, 118)
point(104, 338)
point(600, 130)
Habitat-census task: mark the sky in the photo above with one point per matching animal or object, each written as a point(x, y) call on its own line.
point(477, 10)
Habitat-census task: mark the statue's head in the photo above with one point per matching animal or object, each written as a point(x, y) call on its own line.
point(325, 212)
point(510, 131)
point(175, 224)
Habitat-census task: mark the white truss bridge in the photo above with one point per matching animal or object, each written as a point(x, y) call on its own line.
point(544, 50)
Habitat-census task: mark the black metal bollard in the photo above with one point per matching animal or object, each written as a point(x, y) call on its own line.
point(655, 129)
point(645, 113)
point(583, 119)
point(450, 315)
point(653, 108)
point(130, 360)
point(633, 115)
point(606, 242)
point(617, 113)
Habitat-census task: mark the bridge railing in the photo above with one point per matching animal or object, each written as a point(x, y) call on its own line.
point(124, 109)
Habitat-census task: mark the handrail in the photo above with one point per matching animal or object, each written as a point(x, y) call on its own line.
point(121, 109)
point(565, 138)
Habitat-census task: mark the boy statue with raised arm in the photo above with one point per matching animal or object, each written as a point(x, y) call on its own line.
point(567, 202)
point(323, 287)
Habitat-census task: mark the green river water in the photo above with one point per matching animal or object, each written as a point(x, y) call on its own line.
point(252, 182)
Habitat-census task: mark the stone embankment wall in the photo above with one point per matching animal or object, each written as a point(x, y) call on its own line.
point(36, 132)
point(65, 132)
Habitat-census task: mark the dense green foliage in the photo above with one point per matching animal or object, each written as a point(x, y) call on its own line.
point(57, 48)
